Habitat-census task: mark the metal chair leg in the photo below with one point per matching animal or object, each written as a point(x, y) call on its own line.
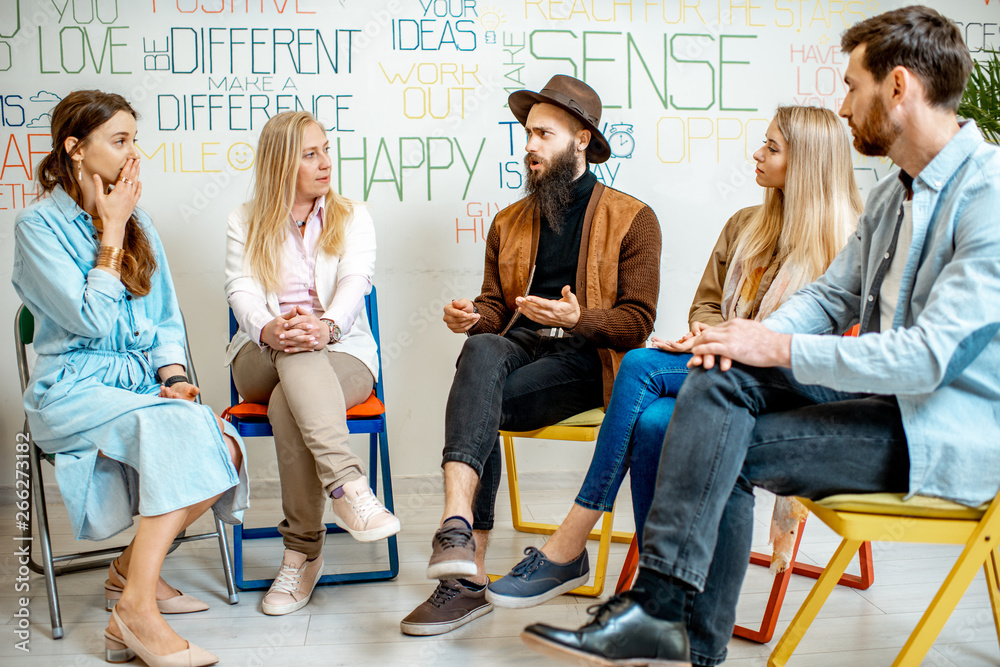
point(536, 527)
point(629, 567)
point(807, 612)
point(45, 539)
point(227, 564)
point(993, 585)
point(383, 440)
point(955, 584)
point(779, 586)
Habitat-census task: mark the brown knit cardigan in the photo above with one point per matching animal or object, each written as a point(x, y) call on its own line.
point(617, 278)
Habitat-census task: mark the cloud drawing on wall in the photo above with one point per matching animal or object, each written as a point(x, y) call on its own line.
point(44, 96)
point(44, 120)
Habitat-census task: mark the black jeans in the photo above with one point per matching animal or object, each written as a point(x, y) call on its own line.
point(747, 427)
point(518, 382)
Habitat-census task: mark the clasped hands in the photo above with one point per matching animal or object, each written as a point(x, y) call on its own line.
point(745, 341)
point(298, 330)
point(460, 315)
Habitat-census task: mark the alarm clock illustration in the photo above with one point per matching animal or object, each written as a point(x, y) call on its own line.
point(621, 141)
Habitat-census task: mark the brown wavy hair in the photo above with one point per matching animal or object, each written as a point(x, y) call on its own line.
point(78, 115)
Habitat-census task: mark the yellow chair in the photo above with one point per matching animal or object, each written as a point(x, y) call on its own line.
point(886, 517)
point(579, 428)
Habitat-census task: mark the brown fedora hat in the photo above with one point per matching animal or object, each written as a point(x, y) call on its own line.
point(574, 97)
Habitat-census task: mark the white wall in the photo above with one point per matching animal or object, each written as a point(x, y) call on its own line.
point(696, 80)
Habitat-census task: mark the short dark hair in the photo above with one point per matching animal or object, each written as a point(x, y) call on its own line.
point(921, 40)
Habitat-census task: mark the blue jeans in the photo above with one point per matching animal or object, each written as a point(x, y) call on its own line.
point(518, 382)
point(632, 433)
point(747, 427)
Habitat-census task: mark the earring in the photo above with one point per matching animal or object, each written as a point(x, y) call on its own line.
point(79, 170)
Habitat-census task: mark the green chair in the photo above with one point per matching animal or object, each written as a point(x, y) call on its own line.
point(51, 566)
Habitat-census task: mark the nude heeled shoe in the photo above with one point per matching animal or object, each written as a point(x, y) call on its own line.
point(179, 604)
point(123, 649)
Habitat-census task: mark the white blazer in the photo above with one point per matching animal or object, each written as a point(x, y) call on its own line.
point(358, 259)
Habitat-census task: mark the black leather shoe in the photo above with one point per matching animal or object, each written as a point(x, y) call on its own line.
point(621, 633)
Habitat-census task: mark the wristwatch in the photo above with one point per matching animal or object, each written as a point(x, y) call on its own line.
point(175, 379)
point(334, 328)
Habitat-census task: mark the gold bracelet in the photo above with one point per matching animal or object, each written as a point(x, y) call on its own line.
point(117, 267)
point(110, 257)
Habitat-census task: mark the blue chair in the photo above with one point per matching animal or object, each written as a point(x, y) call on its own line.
point(251, 421)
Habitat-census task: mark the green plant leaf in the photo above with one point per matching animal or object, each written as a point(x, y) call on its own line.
point(981, 101)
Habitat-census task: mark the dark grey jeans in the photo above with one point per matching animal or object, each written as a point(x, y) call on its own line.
point(747, 427)
point(518, 382)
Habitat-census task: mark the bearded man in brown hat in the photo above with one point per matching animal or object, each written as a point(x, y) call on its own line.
point(570, 285)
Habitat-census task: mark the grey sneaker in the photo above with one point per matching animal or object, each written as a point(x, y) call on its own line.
point(454, 554)
point(536, 579)
point(450, 606)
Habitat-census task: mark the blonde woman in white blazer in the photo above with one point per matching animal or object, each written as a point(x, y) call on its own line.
point(299, 261)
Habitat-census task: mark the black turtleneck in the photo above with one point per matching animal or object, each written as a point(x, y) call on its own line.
point(559, 252)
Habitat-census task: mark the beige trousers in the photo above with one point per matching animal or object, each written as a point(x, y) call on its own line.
point(307, 396)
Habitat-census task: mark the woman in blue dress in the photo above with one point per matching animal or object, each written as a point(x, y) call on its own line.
point(109, 397)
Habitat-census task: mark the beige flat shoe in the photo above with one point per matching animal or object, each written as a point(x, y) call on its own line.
point(124, 648)
point(179, 604)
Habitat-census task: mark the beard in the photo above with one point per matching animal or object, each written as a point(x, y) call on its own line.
point(877, 133)
point(553, 185)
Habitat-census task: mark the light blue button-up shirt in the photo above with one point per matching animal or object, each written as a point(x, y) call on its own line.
point(941, 359)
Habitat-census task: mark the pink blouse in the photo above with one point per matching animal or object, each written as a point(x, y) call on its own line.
point(298, 275)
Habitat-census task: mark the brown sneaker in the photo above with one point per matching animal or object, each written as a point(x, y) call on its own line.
point(454, 554)
point(361, 514)
point(450, 606)
point(294, 585)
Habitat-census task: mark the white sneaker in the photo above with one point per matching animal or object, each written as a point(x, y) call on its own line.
point(361, 514)
point(294, 584)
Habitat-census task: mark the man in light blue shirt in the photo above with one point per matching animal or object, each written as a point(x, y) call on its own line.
point(910, 406)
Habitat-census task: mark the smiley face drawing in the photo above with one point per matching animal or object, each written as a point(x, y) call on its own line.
point(240, 156)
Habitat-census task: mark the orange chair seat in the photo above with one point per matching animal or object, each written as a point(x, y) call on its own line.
point(371, 407)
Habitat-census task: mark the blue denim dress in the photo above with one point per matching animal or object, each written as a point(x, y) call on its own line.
point(94, 385)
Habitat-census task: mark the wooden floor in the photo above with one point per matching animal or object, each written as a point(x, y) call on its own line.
point(359, 624)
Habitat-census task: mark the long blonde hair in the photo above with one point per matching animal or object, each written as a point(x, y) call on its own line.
point(806, 223)
point(279, 153)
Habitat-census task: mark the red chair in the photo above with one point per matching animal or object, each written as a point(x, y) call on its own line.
point(763, 634)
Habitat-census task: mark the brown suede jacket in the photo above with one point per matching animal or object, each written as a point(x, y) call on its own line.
point(707, 304)
point(617, 275)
